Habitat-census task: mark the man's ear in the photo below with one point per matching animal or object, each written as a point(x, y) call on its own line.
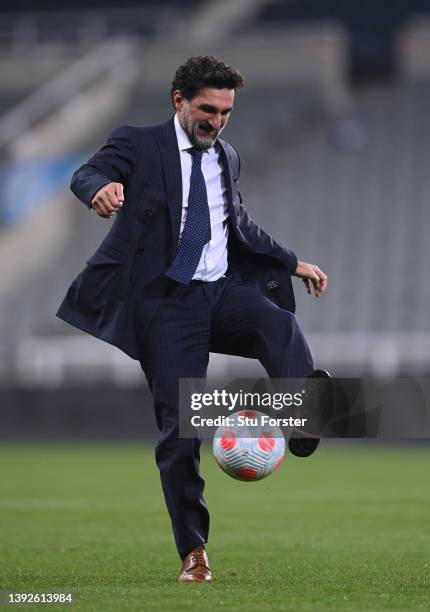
point(177, 99)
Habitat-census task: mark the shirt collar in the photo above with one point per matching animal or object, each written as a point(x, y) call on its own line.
point(184, 142)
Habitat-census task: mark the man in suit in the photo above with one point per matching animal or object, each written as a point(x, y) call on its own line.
point(184, 271)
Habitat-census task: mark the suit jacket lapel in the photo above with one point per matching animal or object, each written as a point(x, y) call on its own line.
point(173, 178)
point(225, 160)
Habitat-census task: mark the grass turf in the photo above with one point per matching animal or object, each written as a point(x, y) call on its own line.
point(342, 530)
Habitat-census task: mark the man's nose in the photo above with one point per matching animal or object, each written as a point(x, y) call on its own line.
point(215, 122)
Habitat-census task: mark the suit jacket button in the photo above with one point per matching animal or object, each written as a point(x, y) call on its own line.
point(148, 212)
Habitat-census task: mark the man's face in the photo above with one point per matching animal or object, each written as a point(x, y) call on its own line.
point(205, 116)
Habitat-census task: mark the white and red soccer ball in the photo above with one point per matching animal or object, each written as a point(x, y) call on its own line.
point(248, 452)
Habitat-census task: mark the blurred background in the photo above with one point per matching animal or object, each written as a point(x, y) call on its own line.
point(333, 129)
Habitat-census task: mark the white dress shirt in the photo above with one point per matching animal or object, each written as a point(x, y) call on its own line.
point(213, 262)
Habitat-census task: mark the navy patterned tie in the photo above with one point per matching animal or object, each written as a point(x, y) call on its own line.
point(197, 228)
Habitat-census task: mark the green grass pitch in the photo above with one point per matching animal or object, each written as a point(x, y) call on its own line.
point(342, 530)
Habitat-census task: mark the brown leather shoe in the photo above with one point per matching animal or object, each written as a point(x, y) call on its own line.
point(195, 567)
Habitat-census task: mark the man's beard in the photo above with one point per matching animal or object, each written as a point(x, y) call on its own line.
point(199, 142)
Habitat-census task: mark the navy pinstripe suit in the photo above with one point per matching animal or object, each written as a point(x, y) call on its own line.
point(123, 297)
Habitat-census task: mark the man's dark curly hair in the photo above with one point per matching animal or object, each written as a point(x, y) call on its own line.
point(205, 71)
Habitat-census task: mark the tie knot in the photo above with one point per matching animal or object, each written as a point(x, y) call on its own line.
point(196, 154)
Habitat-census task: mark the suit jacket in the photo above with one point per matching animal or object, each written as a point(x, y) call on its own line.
point(126, 273)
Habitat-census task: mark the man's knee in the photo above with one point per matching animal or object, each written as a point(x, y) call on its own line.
point(281, 322)
point(283, 333)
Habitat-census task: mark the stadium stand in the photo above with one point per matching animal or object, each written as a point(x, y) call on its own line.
point(345, 184)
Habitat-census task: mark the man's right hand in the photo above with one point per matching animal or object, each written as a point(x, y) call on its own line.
point(108, 200)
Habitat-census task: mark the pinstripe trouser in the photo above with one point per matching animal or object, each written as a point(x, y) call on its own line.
point(177, 345)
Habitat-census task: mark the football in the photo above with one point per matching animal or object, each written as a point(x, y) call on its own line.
point(246, 449)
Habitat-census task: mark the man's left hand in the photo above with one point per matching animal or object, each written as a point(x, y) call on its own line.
point(310, 273)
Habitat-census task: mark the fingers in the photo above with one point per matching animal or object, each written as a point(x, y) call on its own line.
point(307, 285)
point(320, 281)
point(313, 274)
point(108, 200)
point(103, 209)
point(119, 190)
point(315, 284)
point(323, 283)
